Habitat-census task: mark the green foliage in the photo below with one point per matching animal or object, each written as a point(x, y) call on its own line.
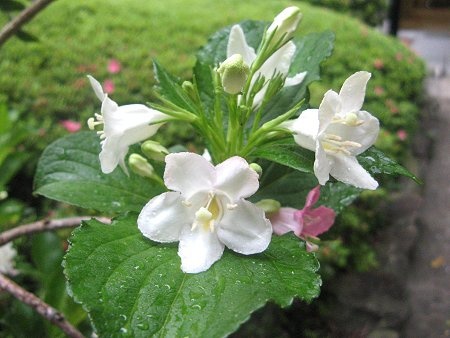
point(69, 171)
point(372, 12)
point(166, 31)
point(134, 287)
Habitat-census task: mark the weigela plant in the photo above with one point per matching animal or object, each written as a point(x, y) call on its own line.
point(200, 242)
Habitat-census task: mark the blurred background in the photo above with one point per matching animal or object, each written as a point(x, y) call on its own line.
point(385, 264)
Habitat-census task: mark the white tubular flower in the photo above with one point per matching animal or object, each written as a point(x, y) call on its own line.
point(7, 254)
point(338, 131)
point(285, 24)
point(206, 211)
point(278, 63)
point(122, 127)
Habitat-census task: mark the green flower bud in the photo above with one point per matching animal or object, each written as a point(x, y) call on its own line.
point(140, 166)
point(189, 89)
point(154, 150)
point(234, 72)
point(284, 25)
point(256, 167)
point(268, 205)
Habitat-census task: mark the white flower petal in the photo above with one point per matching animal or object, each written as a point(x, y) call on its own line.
point(365, 133)
point(188, 173)
point(347, 169)
point(295, 80)
point(353, 91)
point(163, 218)
point(236, 179)
point(245, 229)
point(97, 87)
point(238, 45)
point(199, 249)
point(329, 107)
point(322, 165)
point(279, 62)
point(112, 154)
point(7, 254)
point(305, 127)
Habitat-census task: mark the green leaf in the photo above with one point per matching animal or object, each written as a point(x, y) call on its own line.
point(312, 50)
point(376, 162)
point(69, 171)
point(290, 188)
point(134, 287)
point(171, 88)
point(11, 5)
point(288, 153)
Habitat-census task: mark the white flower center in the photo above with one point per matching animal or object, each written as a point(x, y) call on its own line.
point(350, 119)
point(207, 216)
point(334, 144)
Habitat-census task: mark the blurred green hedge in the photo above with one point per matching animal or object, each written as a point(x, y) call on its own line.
point(46, 81)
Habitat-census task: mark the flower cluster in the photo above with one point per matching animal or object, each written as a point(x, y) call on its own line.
point(206, 208)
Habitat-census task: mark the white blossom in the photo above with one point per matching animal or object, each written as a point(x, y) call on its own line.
point(7, 254)
point(277, 64)
point(122, 127)
point(339, 131)
point(206, 210)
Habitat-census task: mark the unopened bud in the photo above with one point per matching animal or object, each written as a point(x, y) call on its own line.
point(269, 206)
point(284, 25)
point(140, 166)
point(154, 150)
point(234, 72)
point(189, 89)
point(256, 167)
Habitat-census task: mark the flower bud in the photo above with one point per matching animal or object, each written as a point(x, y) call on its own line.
point(140, 166)
point(189, 89)
point(256, 167)
point(269, 206)
point(154, 150)
point(234, 72)
point(284, 25)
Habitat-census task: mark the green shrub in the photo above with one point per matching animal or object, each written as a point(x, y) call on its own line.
point(372, 12)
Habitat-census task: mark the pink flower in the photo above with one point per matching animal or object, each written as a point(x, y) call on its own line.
point(378, 90)
point(305, 223)
point(402, 134)
point(378, 64)
point(108, 86)
point(114, 66)
point(70, 126)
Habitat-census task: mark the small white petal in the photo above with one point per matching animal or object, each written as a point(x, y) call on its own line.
point(322, 165)
point(279, 62)
point(163, 218)
point(347, 169)
point(112, 154)
point(329, 107)
point(236, 179)
point(305, 127)
point(97, 87)
point(199, 249)
point(238, 45)
point(245, 229)
point(188, 173)
point(295, 80)
point(353, 91)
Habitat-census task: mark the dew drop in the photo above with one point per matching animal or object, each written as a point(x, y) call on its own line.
point(196, 306)
point(142, 326)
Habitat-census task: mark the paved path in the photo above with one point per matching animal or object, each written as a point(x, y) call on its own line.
point(428, 282)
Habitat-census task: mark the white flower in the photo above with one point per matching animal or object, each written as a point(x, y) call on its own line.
point(285, 24)
point(206, 211)
point(122, 127)
point(7, 254)
point(278, 63)
point(338, 131)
